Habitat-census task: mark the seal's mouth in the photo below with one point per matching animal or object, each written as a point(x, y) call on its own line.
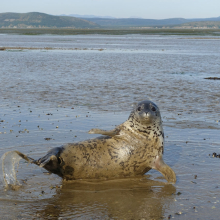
point(146, 117)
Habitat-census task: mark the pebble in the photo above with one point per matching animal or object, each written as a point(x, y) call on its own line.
point(178, 213)
point(193, 182)
point(215, 155)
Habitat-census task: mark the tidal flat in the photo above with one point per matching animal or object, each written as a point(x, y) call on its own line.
point(112, 31)
point(54, 96)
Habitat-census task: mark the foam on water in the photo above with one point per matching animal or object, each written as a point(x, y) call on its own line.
point(10, 162)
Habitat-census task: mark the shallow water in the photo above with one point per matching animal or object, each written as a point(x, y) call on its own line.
point(51, 97)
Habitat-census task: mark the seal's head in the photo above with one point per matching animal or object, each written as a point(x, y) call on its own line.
point(145, 113)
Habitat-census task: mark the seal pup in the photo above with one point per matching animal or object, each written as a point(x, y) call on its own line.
point(131, 149)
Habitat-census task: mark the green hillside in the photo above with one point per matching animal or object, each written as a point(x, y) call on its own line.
point(41, 20)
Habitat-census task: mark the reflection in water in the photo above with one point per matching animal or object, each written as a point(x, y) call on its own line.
point(118, 199)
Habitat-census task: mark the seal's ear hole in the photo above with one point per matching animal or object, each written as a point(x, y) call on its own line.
point(139, 108)
point(153, 109)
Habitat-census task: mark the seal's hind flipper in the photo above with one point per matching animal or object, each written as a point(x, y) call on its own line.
point(110, 133)
point(25, 157)
point(41, 162)
point(52, 155)
point(51, 161)
point(163, 168)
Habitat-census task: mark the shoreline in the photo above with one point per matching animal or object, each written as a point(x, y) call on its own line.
point(124, 31)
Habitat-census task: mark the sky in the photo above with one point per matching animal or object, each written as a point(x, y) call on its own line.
point(151, 9)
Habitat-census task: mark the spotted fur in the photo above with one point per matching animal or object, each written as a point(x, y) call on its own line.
point(131, 149)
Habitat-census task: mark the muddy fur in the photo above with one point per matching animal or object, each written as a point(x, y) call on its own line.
point(131, 149)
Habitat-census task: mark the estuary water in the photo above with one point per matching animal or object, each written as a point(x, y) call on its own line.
point(56, 88)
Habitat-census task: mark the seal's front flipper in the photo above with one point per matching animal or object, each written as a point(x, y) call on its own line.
point(110, 133)
point(162, 167)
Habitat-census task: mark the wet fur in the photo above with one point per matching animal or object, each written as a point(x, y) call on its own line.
point(131, 149)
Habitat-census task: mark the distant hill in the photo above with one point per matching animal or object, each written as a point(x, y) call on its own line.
point(138, 22)
point(41, 20)
point(95, 16)
point(87, 16)
point(134, 22)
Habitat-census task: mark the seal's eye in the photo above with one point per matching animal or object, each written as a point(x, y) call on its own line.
point(139, 108)
point(153, 109)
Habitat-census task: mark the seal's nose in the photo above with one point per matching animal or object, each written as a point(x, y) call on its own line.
point(148, 114)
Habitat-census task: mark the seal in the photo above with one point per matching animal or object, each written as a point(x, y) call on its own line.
point(131, 149)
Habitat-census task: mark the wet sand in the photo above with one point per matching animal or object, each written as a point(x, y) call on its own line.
point(55, 97)
point(113, 31)
point(42, 48)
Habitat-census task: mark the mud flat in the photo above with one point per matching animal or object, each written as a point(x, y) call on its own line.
point(119, 31)
point(53, 97)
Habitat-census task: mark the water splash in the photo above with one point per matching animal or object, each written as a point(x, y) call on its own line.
point(10, 162)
